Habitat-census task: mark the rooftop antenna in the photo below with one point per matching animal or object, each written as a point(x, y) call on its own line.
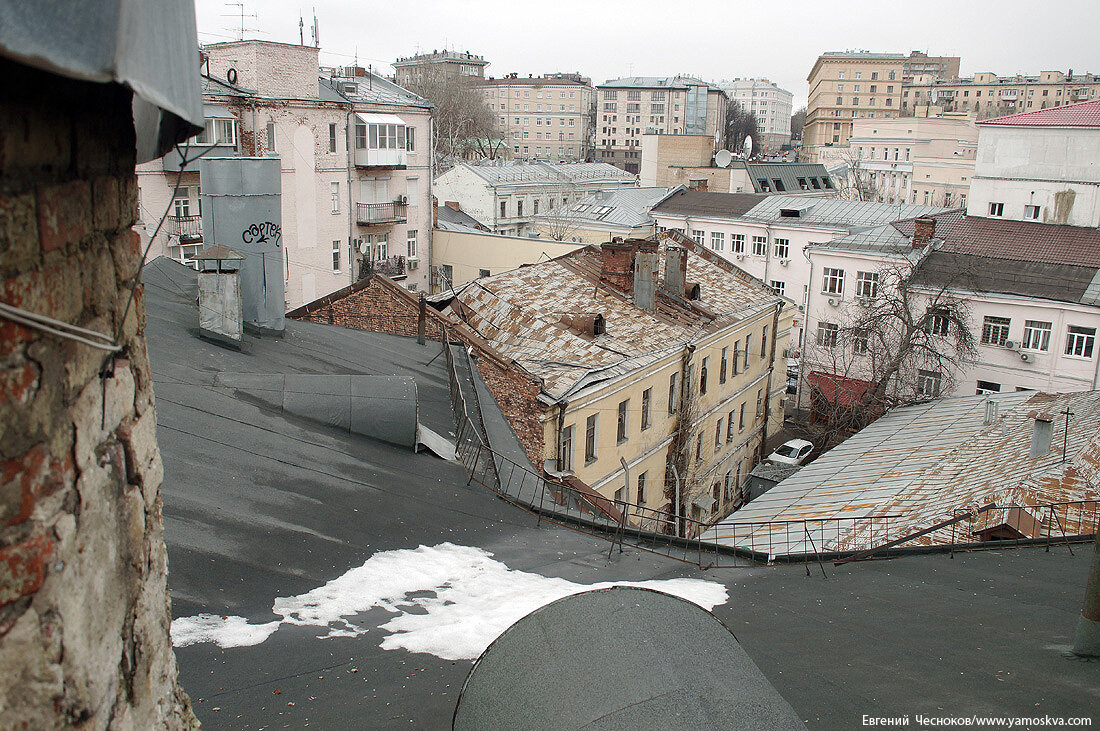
point(316, 35)
point(301, 29)
point(1065, 437)
point(240, 15)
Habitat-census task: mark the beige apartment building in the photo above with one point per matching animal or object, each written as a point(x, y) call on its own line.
point(923, 160)
point(630, 107)
point(986, 95)
point(412, 70)
point(543, 117)
point(848, 85)
point(771, 105)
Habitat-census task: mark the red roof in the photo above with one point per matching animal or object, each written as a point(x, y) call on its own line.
point(838, 390)
point(1083, 114)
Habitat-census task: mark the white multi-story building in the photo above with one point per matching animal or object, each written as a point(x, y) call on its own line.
point(767, 236)
point(771, 105)
point(506, 196)
point(355, 154)
point(543, 117)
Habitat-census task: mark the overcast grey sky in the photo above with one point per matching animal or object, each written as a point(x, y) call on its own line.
point(605, 39)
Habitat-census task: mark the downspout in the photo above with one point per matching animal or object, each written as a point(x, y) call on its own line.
point(348, 142)
point(768, 383)
point(805, 327)
point(562, 405)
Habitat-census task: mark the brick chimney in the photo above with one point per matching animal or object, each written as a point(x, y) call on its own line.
point(617, 262)
point(676, 259)
point(924, 228)
point(453, 205)
point(435, 212)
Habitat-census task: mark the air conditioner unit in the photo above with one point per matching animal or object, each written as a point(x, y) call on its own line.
point(740, 257)
point(784, 262)
point(413, 262)
point(794, 353)
point(1012, 345)
point(1025, 357)
point(404, 199)
point(834, 301)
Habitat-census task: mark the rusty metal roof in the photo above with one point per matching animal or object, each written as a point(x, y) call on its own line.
point(522, 314)
point(919, 465)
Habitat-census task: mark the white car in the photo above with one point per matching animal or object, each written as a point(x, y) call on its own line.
point(793, 452)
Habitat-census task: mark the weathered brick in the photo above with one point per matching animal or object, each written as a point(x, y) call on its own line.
point(64, 214)
point(126, 251)
point(18, 384)
point(13, 337)
point(105, 203)
point(139, 436)
point(23, 567)
point(26, 479)
point(48, 291)
point(18, 232)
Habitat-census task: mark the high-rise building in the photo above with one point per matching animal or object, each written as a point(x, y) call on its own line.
point(848, 85)
point(630, 107)
point(770, 104)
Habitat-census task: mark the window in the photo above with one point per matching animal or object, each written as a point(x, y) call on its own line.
point(741, 417)
point(332, 137)
point(641, 488)
point(334, 194)
point(181, 204)
point(729, 426)
point(703, 375)
point(647, 408)
point(736, 351)
point(672, 393)
point(722, 365)
point(928, 383)
point(996, 209)
point(565, 450)
point(827, 334)
point(783, 248)
point(410, 240)
point(519, 208)
point(987, 387)
point(482, 273)
point(622, 424)
point(590, 439)
point(737, 243)
point(764, 342)
point(867, 284)
point(748, 349)
point(861, 342)
point(1080, 340)
point(336, 257)
point(1031, 212)
point(718, 435)
point(832, 281)
point(759, 245)
point(778, 287)
point(360, 137)
point(1036, 335)
point(717, 240)
point(535, 207)
point(698, 236)
point(995, 330)
point(938, 322)
point(381, 245)
point(503, 209)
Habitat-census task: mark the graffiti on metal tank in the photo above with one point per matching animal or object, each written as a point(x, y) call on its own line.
point(262, 233)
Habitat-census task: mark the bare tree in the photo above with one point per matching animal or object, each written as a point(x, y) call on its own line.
point(898, 343)
point(561, 222)
point(588, 147)
point(798, 122)
point(740, 123)
point(463, 122)
point(857, 183)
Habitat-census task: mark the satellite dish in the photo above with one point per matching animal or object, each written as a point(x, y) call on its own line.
point(722, 158)
point(747, 146)
point(364, 247)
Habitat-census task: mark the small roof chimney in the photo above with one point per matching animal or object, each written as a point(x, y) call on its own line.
point(676, 258)
point(924, 228)
point(221, 317)
point(1041, 434)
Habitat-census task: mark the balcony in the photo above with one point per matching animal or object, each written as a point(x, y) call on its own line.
point(1009, 94)
point(393, 266)
point(371, 214)
point(1080, 94)
point(187, 228)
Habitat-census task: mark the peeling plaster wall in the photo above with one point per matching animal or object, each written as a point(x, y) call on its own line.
point(84, 612)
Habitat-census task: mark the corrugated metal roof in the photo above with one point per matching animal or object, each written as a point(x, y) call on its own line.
point(617, 207)
point(878, 240)
point(919, 464)
point(451, 220)
point(520, 312)
point(835, 212)
point(374, 89)
point(792, 175)
point(509, 172)
point(705, 203)
point(1083, 114)
point(1045, 280)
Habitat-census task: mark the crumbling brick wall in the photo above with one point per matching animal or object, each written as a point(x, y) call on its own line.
point(84, 613)
point(375, 307)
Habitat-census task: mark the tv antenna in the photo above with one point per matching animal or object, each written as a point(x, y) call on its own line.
point(239, 28)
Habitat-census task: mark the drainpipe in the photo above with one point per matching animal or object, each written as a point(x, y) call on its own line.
point(562, 405)
point(348, 145)
point(805, 326)
point(768, 383)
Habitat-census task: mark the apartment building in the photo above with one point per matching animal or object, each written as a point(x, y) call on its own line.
point(988, 95)
point(506, 196)
point(767, 235)
point(655, 354)
point(413, 70)
point(355, 157)
point(543, 117)
point(630, 107)
point(849, 85)
point(925, 160)
point(771, 105)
